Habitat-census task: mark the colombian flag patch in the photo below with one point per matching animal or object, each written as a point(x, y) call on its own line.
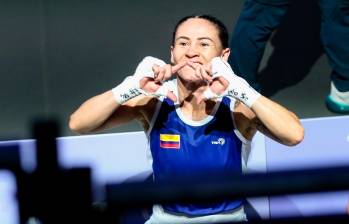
point(170, 141)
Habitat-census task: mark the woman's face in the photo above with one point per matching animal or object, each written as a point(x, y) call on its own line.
point(196, 40)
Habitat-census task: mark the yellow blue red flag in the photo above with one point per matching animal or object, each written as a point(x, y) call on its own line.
point(170, 141)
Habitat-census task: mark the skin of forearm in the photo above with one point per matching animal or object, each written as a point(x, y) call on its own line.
point(93, 113)
point(280, 122)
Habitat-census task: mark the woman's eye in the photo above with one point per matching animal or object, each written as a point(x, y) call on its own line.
point(183, 44)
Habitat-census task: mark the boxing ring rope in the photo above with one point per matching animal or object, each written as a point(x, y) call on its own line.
point(205, 189)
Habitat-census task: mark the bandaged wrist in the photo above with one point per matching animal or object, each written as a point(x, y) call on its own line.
point(126, 90)
point(241, 90)
point(238, 87)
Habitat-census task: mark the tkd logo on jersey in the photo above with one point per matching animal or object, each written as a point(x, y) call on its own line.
point(220, 141)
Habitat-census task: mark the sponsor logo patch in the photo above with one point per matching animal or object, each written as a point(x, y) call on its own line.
point(220, 141)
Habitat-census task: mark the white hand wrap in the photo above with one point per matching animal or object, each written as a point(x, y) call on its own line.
point(130, 87)
point(238, 87)
point(126, 90)
point(145, 67)
point(162, 91)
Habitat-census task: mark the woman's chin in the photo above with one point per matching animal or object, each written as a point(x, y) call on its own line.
point(196, 81)
point(192, 81)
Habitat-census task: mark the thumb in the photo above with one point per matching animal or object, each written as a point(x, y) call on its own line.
point(206, 95)
point(144, 81)
point(200, 99)
point(171, 96)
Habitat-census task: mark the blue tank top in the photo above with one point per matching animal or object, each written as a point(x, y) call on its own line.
point(180, 149)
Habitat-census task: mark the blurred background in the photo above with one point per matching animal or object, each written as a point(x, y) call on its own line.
point(56, 54)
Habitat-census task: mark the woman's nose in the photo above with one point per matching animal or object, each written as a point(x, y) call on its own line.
point(192, 51)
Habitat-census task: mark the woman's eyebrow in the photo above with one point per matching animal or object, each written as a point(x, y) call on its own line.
point(205, 38)
point(199, 38)
point(182, 37)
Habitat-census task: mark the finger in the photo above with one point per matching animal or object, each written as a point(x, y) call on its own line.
point(205, 75)
point(156, 70)
point(144, 81)
point(178, 66)
point(161, 75)
point(223, 81)
point(193, 65)
point(218, 86)
point(168, 72)
point(171, 96)
point(200, 99)
point(208, 69)
point(198, 72)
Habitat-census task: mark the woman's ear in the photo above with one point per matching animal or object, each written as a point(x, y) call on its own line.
point(172, 61)
point(225, 54)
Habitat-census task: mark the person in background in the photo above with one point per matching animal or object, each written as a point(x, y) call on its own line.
point(259, 18)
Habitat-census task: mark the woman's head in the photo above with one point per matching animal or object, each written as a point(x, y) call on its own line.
point(198, 39)
point(221, 28)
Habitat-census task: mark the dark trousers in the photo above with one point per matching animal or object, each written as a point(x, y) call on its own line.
point(259, 18)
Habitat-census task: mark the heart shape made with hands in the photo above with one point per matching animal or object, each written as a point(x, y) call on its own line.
point(151, 75)
point(215, 76)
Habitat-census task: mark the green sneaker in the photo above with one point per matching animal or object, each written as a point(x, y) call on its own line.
point(338, 102)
